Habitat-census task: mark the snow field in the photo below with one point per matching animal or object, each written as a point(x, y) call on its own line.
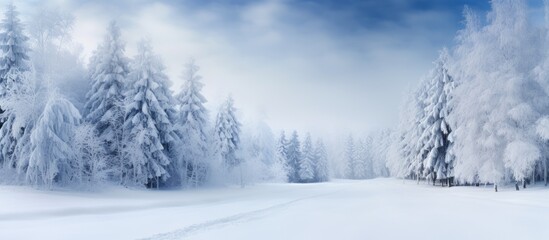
point(343, 209)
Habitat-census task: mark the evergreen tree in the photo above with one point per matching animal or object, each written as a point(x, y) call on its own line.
point(359, 163)
point(52, 157)
point(14, 67)
point(322, 168)
point(227, 134)
point(282, 154)
point(307, 162)
point(433, 143)
point(193, 118)
point(105, 101)
point(149, 121)
point(14, 59)
point(294, 158)
point(350, 158)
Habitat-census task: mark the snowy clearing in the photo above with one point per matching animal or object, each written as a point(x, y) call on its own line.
point(381, 208)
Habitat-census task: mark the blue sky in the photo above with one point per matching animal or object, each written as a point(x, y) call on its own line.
point(322, 66)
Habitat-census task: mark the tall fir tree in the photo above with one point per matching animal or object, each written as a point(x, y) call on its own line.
point(359, 164)
point(193, 118)
point(434, 142)
point(104, 107)
point(282, 154)
point(322, 168)
point(149, 121)
point(307, 162)
point(14, 59)
point(14, 65)
point(227, 134)
point(350, 157)
point(294, 158)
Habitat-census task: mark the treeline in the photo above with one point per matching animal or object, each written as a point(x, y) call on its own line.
point(118, 121)
point(365, 158)
point(481, 115)
point(304, 163)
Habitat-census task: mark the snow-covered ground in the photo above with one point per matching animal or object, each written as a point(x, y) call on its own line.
point(370, 209)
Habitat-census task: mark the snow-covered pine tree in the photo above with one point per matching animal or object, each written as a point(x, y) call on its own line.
point(14, 59)
point(307, 162)
point(350, 158)
point(433, 143)
point(415, 129)
point(14, 67)
point(227, 134)
point(193, 119)
point(322, 173)
point(149, 121)
point(294, 157)
point(360, 160)
point(104, 107)
point(53, 159)
point(282, 154)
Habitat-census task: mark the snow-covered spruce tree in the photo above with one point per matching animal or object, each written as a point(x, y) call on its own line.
point(322, 169)
point(193, 120)
point(149, 122)
point(104, 107)
point(433, 142)
point(294, 157)
point(53, 159)
point(14, 59)
point(282, 154)
point(227, 137)
point(497, 101)
point(350, 157)
point(25, 106)
point(14, 70)
point(362, 160)
point(307, 163)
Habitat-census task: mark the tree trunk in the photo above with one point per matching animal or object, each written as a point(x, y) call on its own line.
point(545, 171)
point(534, 176)
point(523, 183)
point(496, 187)
point(517, 186)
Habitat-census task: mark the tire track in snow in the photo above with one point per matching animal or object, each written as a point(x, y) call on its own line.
point(112, 209)
point(220, 222)
point(100, 210)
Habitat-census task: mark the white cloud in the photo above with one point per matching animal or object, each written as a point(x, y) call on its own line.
point(274, 58)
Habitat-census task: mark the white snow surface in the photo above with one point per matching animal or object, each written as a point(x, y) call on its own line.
point(341, 209)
